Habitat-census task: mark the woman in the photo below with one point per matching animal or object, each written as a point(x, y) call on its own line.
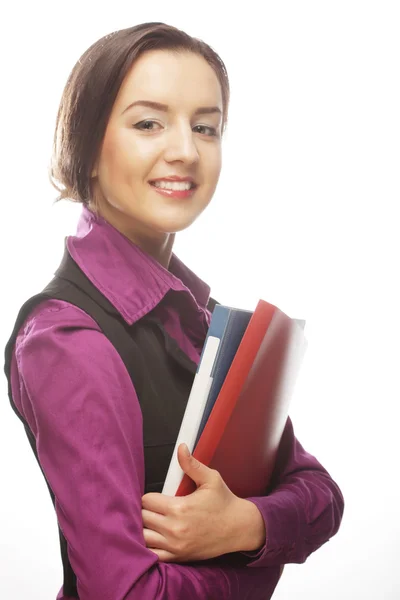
point(138, 143)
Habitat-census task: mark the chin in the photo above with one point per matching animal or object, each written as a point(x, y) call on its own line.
point(172, 225)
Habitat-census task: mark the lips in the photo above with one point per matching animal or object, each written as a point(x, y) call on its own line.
point(192, 184)
point(175, 178)
point(174, 193)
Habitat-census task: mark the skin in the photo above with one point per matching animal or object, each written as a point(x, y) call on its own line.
point(212, 520)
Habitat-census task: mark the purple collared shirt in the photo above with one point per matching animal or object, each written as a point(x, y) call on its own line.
point(72, 388)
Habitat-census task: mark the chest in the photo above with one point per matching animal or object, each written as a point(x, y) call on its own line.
point(162, 374)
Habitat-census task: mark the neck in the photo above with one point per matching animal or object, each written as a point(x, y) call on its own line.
point(160, 250)
point(157, 245)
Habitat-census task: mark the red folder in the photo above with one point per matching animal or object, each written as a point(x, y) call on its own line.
point(244, 429)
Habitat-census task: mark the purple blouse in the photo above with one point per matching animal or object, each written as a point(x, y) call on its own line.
point(73, 389)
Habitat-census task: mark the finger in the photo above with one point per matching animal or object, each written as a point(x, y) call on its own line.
point(154, 539)
point(164, 555)
point(157, 502)
point(154, 521)
point(200, 473)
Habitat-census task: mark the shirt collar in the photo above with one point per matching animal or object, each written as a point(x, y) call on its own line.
point(132, 280)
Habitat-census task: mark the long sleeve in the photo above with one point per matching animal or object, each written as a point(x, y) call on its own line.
point(303, 509)
point(72, 388)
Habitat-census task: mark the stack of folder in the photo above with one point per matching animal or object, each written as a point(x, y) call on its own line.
point(239, 401)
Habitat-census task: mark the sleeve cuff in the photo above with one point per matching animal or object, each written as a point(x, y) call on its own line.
point(282, 529)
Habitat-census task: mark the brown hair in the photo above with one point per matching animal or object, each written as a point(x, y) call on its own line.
point(90, 93)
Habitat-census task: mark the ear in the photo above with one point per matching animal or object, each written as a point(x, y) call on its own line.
point(95, 169)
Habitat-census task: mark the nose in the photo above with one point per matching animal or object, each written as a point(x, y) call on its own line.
point(181, 145)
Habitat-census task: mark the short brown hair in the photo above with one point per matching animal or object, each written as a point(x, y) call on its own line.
point(90, 93)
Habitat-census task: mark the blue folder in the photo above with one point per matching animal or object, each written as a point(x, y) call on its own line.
point(229, 324)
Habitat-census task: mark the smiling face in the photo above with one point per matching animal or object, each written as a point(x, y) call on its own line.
point(145, 141)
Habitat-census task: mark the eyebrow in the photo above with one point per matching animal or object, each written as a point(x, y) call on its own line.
point(202, 110)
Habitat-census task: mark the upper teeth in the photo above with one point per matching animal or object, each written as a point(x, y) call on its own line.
point(173, 185)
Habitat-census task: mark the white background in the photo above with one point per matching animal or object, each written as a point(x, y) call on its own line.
point(305, 216)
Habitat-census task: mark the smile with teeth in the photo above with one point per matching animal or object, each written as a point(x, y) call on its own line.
point(173, 185)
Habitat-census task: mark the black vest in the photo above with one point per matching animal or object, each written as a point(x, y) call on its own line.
point(162, 375)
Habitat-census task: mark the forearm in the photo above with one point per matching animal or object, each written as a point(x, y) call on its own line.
point(301, 512)
point(209, 582)
point(300, 517)
point(304, 508)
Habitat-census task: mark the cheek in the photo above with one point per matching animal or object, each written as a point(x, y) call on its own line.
point(214, 165)
point(116, 157)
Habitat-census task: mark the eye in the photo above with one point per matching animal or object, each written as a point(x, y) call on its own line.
point(142, 125)
point(211, 129)
point(147, 125)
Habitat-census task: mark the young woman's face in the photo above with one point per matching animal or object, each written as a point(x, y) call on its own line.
point(144, 143)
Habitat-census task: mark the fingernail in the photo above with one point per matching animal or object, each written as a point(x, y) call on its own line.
point(186, 450)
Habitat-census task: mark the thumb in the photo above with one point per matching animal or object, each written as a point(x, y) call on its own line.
point(196, 470)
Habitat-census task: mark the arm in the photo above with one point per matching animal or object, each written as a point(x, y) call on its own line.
point(72, 388)
point(303, 509)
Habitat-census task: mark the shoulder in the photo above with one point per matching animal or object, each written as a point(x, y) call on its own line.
point(62, 359)
point(59, 338)
point(51, 316)
point(57, 312)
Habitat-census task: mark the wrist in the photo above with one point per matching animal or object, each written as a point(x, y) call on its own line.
point(251, 533)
